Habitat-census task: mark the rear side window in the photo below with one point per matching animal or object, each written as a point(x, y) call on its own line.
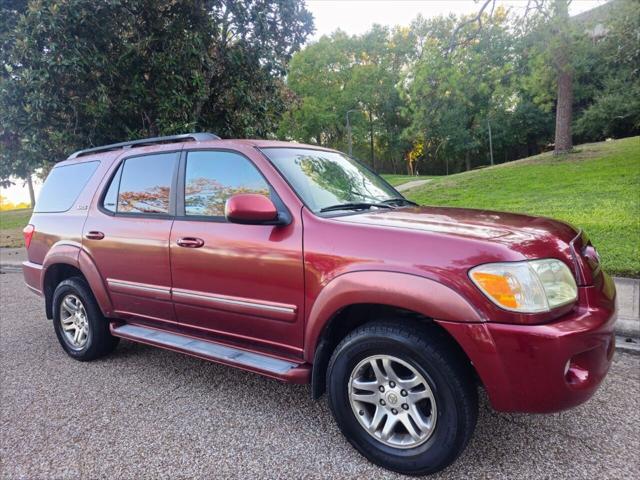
point(63, 186)
point(212, 177)
point(142, 185)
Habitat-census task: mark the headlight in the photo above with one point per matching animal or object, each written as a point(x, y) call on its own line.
point(528, 287)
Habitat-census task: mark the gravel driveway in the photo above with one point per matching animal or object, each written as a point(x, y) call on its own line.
point(149, 413)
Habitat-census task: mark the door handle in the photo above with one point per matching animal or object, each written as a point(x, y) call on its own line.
point(190, 242)
point(94, 235)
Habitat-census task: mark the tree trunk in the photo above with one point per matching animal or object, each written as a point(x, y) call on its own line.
point(32, 195)
point(373, 160)
point(563, 141)
point(564, 103)
point(467, 160)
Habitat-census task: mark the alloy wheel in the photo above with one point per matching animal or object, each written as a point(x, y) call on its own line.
point(74, 322)
point(392, 401)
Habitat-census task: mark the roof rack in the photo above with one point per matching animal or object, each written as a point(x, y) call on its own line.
point(196, 137)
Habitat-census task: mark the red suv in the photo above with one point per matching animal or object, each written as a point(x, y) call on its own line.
point(299, 263)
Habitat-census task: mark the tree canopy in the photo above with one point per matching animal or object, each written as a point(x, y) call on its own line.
point(428, 94)
point(78, 73)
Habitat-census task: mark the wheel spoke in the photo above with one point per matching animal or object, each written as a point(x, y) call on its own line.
point(380, 377)
point(365, 397)
point(419, 419)
point(377, 419)
point(413, 432)
point(409, 383)
point(70, 306)
point(389, 425)
point(369, 386)
point(68, 326)
point(415, 397)
point(391, 374)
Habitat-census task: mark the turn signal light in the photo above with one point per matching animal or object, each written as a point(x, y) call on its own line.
point(497, 286)
point(28, 232)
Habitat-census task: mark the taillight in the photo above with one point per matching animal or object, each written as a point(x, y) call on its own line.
point(28, 232)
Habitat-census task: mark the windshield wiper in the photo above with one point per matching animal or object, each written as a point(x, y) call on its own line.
point(354, 206)
point(399, 201)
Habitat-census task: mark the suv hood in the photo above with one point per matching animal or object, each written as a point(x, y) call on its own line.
point(521, 233)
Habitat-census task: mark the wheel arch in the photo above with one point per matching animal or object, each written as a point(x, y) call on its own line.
point(356, 298)
point(66, 261)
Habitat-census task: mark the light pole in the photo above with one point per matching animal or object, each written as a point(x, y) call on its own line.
point(349, 132)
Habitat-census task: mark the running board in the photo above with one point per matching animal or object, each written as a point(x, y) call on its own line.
point(215, 352)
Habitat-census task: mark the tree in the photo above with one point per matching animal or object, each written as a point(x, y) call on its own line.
point(77, 73)
point(558, 43)
point(452, 92)
point(564, 75)
point(341, 73)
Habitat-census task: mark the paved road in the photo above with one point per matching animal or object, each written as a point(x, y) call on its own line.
point(148, 413)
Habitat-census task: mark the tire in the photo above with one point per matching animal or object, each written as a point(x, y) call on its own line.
point(442, 421)
point(96, 341)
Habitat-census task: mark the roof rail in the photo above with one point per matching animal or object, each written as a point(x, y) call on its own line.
point(196, 137)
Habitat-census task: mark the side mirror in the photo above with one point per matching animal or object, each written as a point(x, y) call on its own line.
point(251, 209)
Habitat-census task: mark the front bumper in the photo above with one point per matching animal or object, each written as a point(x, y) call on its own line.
point(544, 368)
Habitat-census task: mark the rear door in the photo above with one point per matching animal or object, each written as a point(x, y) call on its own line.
point(127, 235)
point(244, 283)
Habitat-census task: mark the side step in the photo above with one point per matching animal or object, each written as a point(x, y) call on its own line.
point(215, 352)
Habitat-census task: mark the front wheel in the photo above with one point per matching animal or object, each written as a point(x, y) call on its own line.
point(403, 396)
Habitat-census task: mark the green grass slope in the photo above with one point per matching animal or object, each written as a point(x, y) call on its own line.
point(11, 224)
point(596, 188)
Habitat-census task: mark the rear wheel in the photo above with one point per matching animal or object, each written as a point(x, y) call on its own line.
point(402, 396)
point(79, 324)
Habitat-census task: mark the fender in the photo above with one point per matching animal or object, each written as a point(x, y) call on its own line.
point(60, 252)
point(71, 253)
point(92, 274)
point(402, 290)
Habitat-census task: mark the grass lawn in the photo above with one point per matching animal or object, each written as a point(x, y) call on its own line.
point(11, 224)
point(597, 188)
point(396, 180)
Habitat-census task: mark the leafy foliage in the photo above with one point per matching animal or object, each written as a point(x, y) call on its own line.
point(429, 106)
point(77, 73)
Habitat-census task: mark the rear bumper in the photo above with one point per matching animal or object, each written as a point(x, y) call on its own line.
point(544, 368)
point(32, 276)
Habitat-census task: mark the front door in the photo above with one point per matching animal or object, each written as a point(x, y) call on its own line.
point(243, 283)
point(127, 236)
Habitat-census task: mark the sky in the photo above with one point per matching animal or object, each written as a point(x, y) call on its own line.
point(357, 16)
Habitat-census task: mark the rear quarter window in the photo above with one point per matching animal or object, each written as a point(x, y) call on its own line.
point(63, 186)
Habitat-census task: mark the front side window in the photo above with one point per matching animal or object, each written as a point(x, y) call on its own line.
point(212, 177)
point(63, 186)
point(142, 185)
point(326, 180)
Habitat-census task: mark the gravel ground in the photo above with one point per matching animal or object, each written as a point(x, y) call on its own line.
point(148, 413)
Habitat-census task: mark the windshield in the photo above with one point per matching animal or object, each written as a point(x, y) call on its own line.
point(328, 180)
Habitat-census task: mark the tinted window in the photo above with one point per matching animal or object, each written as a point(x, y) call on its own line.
point(63, 186)
point(111, 197)
point(145, 184)
point(212, 177)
